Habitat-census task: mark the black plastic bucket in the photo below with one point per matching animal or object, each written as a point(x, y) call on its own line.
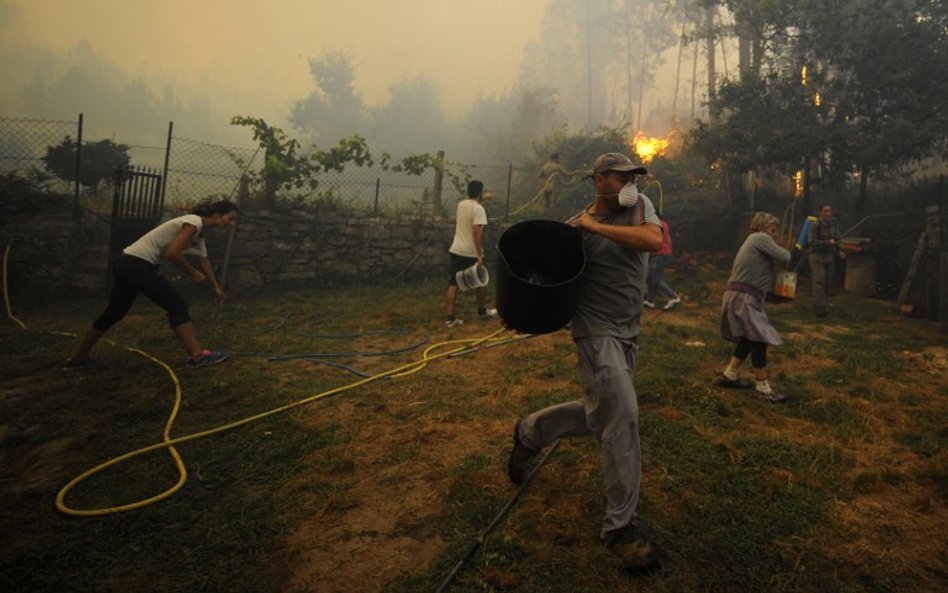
point(537, 276)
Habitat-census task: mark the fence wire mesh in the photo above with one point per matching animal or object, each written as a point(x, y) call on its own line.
point(198, 170)
point(23, 144)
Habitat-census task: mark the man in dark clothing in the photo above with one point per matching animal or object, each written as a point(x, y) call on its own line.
point(823, 247)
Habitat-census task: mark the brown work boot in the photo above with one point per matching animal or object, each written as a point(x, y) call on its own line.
point(636, 555)
point(519, 459)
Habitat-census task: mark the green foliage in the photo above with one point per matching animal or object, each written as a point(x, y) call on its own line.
point(286, 168)
point(98, 160)
point(870, 100)
point(766, 121)
point(352, 149)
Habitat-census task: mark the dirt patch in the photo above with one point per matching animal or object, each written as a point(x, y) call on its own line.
point(384, 524)
point(932, 360)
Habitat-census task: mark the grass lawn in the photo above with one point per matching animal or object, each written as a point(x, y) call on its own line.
point(385, 486)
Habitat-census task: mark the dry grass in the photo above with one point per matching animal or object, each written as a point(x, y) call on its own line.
point(383, 488)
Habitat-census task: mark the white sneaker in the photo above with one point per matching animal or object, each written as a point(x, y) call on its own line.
point(453, 322)
point(672, 303)
point(649, 304)
point(488, 314)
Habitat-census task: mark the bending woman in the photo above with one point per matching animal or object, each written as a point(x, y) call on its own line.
point(136, 270)
point(743, 319)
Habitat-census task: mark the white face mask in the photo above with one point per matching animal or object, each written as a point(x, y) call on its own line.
point(629, 195)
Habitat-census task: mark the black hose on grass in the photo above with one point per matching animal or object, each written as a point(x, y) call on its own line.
point(378, 332)
point(500, 343)
point(278, 357)
point(500, 516)
point(339, 365)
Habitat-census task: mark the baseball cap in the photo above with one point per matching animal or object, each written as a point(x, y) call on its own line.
point(615, 161)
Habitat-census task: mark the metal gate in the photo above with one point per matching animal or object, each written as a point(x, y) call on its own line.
point(136, 208)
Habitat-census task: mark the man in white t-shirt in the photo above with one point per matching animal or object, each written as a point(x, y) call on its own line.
point(467, 249)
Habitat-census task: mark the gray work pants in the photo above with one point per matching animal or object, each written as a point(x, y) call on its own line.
point(609, 411)
point(823, 270)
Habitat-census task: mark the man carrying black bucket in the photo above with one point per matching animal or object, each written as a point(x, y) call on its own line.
point(619, 230)
point(467, 250)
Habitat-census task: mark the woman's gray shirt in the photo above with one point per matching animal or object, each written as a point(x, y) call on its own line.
point(754, 263)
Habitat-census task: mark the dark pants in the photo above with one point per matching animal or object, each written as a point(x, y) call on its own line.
point(823, 270)
point(757, 351)
point(458, 263)
point(655, 282)
point(132, 276)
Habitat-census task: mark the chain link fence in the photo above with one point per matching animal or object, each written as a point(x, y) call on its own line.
point(199, 170)
point(24, 142)
point(195, 170)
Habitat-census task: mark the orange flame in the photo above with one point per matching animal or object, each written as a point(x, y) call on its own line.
point(648, 148)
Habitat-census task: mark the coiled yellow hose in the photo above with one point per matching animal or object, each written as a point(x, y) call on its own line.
point(169, 443)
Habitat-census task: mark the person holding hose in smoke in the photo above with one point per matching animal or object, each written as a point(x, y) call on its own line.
point(619, 230)
point(551, 173)
point(743, 319)
point(136, 271)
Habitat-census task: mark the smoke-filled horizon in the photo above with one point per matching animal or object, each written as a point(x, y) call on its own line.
point(417, 75)
point(255, 54)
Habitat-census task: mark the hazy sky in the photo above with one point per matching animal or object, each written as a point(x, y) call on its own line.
point(256, 51)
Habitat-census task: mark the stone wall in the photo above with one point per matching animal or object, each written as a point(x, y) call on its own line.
point(273, 248)
point(54, 252)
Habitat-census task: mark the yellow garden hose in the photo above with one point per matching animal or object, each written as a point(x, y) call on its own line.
point(661, 193)
point(6, 294)
point(169, 443)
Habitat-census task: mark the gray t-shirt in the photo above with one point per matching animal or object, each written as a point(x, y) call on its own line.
point(754, 263)
point(613, 285)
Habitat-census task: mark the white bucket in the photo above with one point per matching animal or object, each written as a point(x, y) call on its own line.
point(786, 285)
point(474, 277)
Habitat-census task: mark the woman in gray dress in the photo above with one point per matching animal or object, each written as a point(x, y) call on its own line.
point(743, 319)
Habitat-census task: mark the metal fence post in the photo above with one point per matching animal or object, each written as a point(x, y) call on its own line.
point(75, 207)
point(164, 176)
point(438, 180)
point(509, 177)
point(378, 183)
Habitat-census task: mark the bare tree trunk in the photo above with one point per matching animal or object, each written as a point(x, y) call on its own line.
point(863, 187)
point(628, 72)
point(589, 75)
point(694, 80)
point(807, 181)
point(743, 55)
point(709, 11)
point(681, 47)
point(638, 120)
